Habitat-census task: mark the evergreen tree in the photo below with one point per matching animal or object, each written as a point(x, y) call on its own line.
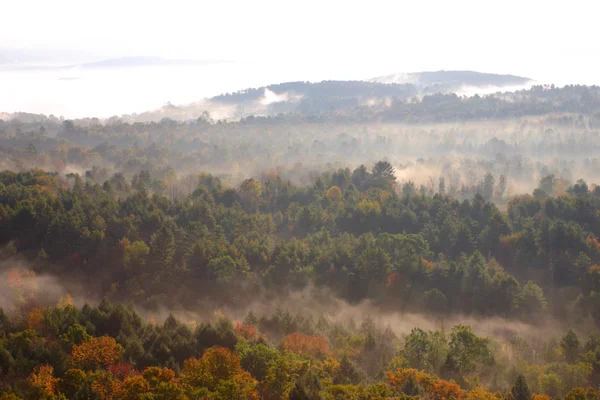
point(520, 390)
point(570, 345)
point(162, 249)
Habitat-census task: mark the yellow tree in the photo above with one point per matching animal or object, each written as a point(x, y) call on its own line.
point(250, 191)
point(281, 377)
point(480, 393)
point(104, 385)
point(545, 397)
point(35, 318)
point(134, 388)
point(97, 352)
point(42, 380)
point(219, 368)
point(163, 383)
point(334, 193)
point(9, 396)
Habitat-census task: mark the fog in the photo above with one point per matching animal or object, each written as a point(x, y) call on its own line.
point(521, 149)
point(23, 290)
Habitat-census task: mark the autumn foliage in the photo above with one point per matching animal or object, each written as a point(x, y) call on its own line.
point(96, 352)
point(217, 367)
point(247, 331)
point(544, 397)
point(434, 387)
point(121, 371)
point(334, 193)
point(42, 379)
point(299, 343)
point(35, 318)
point(480, 393)
point(392, 280)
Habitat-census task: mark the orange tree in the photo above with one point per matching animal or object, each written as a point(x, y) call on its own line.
point(299, 343)
point(434, 387)
point(97, 352)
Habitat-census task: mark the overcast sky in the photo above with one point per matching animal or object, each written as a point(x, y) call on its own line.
point(540, 39)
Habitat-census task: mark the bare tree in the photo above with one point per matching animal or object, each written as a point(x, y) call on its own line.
point(454, 182)
point(431, 185)
point(501, 187)
point(472, 178)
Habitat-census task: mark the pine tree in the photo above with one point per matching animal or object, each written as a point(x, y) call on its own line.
point(162, 249)
point(521, 391)
point(570, 345)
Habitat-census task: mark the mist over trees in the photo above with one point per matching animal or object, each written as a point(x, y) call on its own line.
point(442, 247)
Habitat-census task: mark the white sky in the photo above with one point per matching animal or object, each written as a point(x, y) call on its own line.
point(546, 40)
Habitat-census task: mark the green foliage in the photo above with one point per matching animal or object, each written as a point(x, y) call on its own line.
point(256, 358)
point(75, 335)
point(149, 236)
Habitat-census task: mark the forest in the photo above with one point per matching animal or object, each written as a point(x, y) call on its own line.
point(441, 248)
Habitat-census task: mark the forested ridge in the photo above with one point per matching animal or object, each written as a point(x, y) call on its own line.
point(437, 248)
point(357, 233)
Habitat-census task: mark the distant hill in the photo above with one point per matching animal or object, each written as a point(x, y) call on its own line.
point(313, 98)
point(366, 98)
point(340, 96)
point(448, 81)
point(324, 89)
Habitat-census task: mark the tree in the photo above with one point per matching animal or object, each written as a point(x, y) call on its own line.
point(360, 176)
point(162, 249)
point(594, 378)
point(532, 301)
point(550, 384)
point(280, 378)
point(374, 264)
point(467, 351)
point(75, 335)
point(315, 346)
point(133, 388)
point(501, 187)
point(487, 186)
point(256, 359)
point(334, 193)
point(222, 269)
point(409, 189)
point(163, 383)
point(135, 256)
point(570, 346)
point(42, 380)
point(250, 191)
point(97, 352)
point(348, 373)
point(219, 370)
point(579, 189)
point(520, 391)
point(548, 184)
point(383, 174)
point(415, 348)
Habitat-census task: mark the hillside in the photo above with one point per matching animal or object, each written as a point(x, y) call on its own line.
point(339, 97)
point(447, 81)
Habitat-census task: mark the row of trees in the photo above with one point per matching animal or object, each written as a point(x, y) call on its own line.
point(110, 352)
point(357, 234)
